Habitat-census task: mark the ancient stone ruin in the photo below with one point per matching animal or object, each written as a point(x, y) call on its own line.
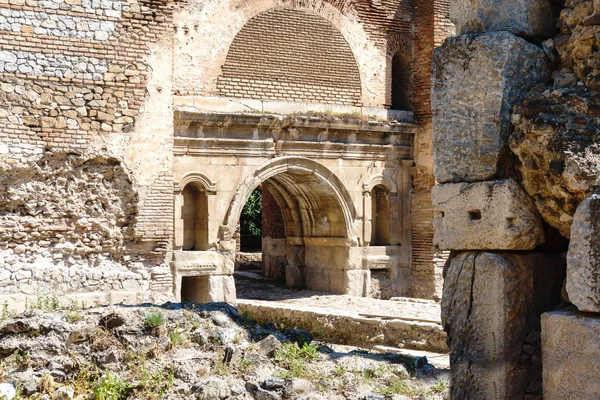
point(517, 164)
point(134, 132)
point(385, 137)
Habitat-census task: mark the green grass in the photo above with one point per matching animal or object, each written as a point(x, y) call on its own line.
point(294, 359)
point(154, 319)
point(111, 387)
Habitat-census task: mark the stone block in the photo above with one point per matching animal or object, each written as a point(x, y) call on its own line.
point(477, 79)
point(583, 257)
point(202, 263)
point(357, 282)
point(526, 18)
point(294, 277)
point(491, 311)
point(571, 350)
point(317, 279)
point(493, 215)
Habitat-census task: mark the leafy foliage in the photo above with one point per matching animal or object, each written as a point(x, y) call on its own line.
point(251, 219)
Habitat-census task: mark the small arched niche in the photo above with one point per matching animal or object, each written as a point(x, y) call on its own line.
point(381, 231)
point(401, 82)
point(194, 213)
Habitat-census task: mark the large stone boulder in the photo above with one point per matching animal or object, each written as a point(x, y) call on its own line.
point(491, 311)
point(477, 79)
point(527, 18)
point(558, 143)
point(571, 350)
point(583, 258)
point(501, 209)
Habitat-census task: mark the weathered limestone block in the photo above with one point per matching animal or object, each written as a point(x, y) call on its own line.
point(494, 215)
point(583, 258)
point(202, 263)
point(491, 311)
point(558, 143)
point(476, 81)
point(571, 350)
point(521, 17)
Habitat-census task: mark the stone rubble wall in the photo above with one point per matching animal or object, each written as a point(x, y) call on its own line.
point(84, 214)
point(499, 308)
point(496, 111)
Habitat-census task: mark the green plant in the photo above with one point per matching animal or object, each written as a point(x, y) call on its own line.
point(22, 359)
point(46, 302)
point(177, 337)
point(396, 386)
point(251, 218)
point(339, 370)
point(111, 387)
point(154, 319)
point(73, 316)
point(245, 365)
point(5, 313)
point(294, 358)
point(439, 386)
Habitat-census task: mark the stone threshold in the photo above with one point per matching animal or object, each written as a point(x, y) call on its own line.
point(351, 326)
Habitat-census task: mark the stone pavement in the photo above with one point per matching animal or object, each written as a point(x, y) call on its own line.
point(401, 323)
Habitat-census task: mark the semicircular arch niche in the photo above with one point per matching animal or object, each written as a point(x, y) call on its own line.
point(291, 55)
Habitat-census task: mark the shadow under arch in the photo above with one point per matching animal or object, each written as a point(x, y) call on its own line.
point(304, 180)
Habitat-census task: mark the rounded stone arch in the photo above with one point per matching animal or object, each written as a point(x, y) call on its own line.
point(380, 180)
point(281, 166)
point(198, 179)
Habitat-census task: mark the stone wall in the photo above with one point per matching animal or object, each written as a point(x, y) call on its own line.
point(79, 85)
point(88, 92)
point(500, 121)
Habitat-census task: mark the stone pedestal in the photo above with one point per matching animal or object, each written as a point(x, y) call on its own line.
point(571, 354)
point(491, 311)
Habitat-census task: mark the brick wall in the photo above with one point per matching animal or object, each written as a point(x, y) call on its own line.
point(432, 26)
point(75, 93)
point(272, 220)
point(296, 55)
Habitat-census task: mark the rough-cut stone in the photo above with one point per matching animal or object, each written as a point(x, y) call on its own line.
point(583, 258)
point(521, 17)
point(477, 80)
point(558, 143)
point(578, 41)
point(571, 350)
point(491, 310)
point(501, 209)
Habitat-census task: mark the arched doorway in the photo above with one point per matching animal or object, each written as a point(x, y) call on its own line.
point(320, 248)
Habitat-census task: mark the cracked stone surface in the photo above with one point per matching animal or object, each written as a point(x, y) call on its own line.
point(583, 258)
point(477, 79)
point(501, 209)
point(491, 311)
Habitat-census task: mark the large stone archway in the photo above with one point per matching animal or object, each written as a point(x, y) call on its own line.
point(320, 247)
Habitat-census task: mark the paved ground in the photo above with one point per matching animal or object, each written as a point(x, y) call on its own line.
point(250, 285)
point(254, 289)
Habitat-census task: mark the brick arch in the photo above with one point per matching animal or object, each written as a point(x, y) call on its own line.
point(202, 42)
point(400, 45)
point(291, 54)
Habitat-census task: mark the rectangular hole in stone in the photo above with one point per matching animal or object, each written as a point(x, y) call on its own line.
point(474, 215)
point(194, 288)
point(440, 214)
point(511, 221)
